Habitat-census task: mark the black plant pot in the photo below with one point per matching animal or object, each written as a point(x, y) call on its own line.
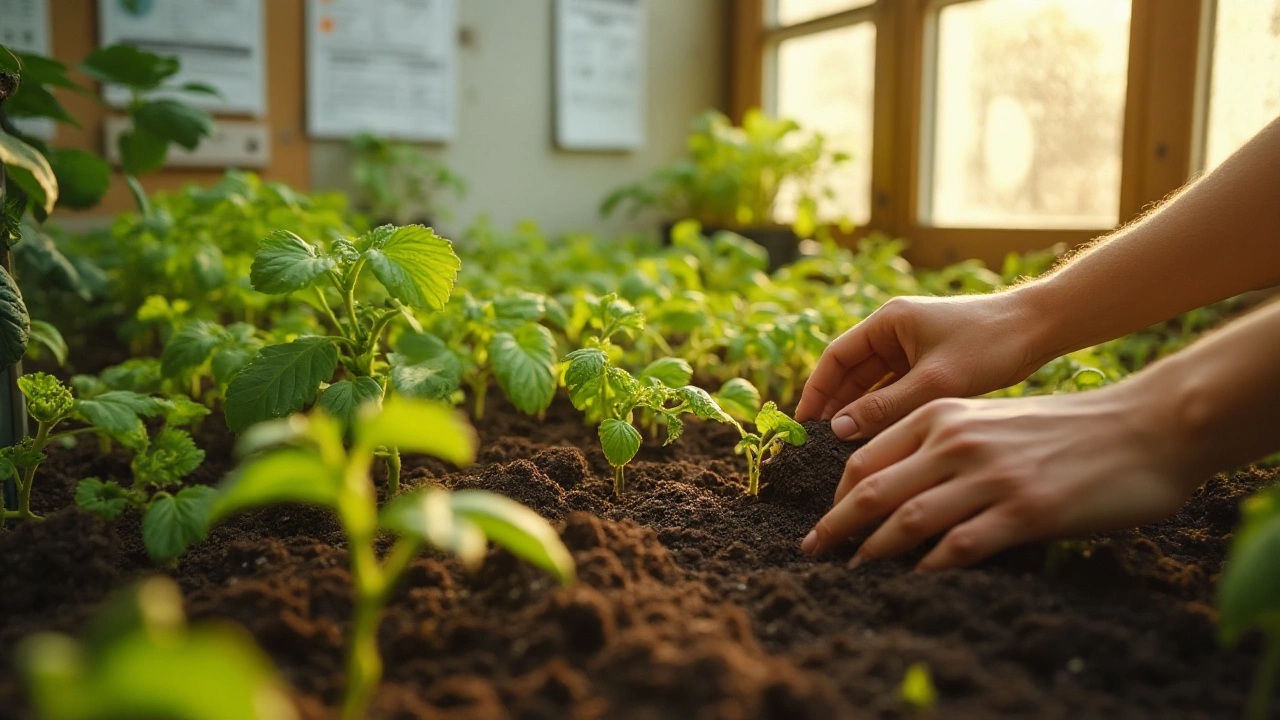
point(780, 241)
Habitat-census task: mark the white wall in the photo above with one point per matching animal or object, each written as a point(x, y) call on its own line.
point(504, 146)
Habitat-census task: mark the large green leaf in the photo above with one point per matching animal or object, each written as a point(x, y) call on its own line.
point(129, 66)
point(174, 121)
point(49, 338)
point(524, 363)
point(173, 522)
point(702, 405)
point(141, 151)
point(739, 398)
point(672, 372)
point(16, 153)
point(83, 177)
point(288, 475)
point(344, 399)
point(419, 426)
point(15, 324)
point(279, 381)
point(619, 440)
point(119, 413)
point(285, 263)
point(417, 267)
point(431, 378)
point(515, 527)
point(190, 347)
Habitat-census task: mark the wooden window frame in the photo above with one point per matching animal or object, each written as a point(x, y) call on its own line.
point(1160, 140)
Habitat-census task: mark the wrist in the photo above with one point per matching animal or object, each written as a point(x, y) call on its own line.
point(1180, 415)
point(1032, 316)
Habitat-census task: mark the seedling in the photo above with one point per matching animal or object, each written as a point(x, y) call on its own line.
point(773, 428)
point(302, 459)
point(917, 691)
point(139, 659)
point(416, 268)
point(1249, 592)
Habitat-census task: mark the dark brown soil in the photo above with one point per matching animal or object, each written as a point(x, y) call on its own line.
point(693, 601)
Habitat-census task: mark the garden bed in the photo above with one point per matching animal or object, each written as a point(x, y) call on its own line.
point(693, 599)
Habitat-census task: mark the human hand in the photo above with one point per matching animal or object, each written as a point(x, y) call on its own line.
point(934, 347)
point(991, 474)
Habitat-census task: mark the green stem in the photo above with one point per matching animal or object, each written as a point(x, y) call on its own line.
point(139, 195)
point(328, 311)
point(480, 389)
point(69, 433)
point(753, 472)
point(393, 471)
point(29, 475)
point(1268, 667)
point(619, 482)
point(364, 663)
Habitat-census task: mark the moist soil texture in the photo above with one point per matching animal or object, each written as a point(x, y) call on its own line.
point(693, 600)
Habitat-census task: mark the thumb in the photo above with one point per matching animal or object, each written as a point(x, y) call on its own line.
point(877, 410)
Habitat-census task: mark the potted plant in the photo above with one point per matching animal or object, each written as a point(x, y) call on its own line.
point(732, 178)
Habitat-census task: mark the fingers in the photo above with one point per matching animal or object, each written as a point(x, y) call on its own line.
point(843, 354)
point(873, 498)
point(925, 515)
point(873, 412)
point(857, 381)
point(890, 447)
point(979, 538)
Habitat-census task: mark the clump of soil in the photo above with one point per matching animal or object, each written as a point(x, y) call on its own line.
point(692, 599)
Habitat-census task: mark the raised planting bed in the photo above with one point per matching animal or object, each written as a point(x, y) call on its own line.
point(693, 599)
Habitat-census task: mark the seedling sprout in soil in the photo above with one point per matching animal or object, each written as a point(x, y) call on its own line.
point(302, 459)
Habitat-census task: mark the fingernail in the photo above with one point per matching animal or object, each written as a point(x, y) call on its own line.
point(844, 427)
point(810, 544)
point(855, 561)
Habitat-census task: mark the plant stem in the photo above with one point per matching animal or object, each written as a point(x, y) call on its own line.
point(1263, 681)
point(328, 311)
point(393, 471)
point(619, 482)
point(480, 390)
point(29, 475)
point(364, 663)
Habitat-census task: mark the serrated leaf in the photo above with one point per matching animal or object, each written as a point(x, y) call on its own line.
point(107, 499)
point(189, 347)
point(419, 426)
point(619, 440)
point(417, 267)
point(119, 413)
point(585, 365)
point(675, 428)
point(169, 457)
point(173, 522)
point(343, 399)
point(174, 121)
point(672, 372)
point(288, 475)
point(523, 532)
point(15, 324)
point(739, 398)
point(286, 263)
point(434, 378)
point(49, 338)
point(279, 381)
point(524, 363)
point(16, 153)
point(702, 405)
point(182, 410)
point(772, 420)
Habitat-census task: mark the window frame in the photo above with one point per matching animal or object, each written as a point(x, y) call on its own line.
point(1160, 137)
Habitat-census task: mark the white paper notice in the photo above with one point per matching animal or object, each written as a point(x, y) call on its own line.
point(388, 68)
point(600, 74)
point(219, 42)
point(24, 28)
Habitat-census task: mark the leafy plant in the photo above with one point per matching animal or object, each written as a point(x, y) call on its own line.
point(302, 459)
point(1249, 592)
point(734, 175)
point(171, 520)
point(400, 183)
point(416, 269)
point(773, 428)
point(140, 659)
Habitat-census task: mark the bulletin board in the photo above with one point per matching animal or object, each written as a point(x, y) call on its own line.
point(600, 61)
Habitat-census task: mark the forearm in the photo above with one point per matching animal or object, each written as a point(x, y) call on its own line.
point(1219, 399)
point(1218, 238)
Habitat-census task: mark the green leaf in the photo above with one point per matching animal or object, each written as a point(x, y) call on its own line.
point(418, 426)
point(343, 399)
point(286, 263)
point(16, 153)
point(141, 151)
point(672, 372)
point(129, 66)
point(15, 324)
point(174, 121)
point(189, 347)
point(201, 89)
point(917, 690)
point(83, 177)
point(739, 398)
point(107, 499)
point(284, 476)
point(1249, 591)
point(416, 266)
point(524, 363)
point(515, 527)
point(119, 413)
point(414, 347)
point(619, 440)
point(33, 100)
point(171, 456)
point(173, 522)
point(48, 400)
point(432, 379)
point(702, 405)
point(585, 365)
point(279, 381)
point(48, 337)
point(428, 515)
point(182, 410)
point(771, 419)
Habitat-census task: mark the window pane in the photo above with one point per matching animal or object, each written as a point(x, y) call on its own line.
point(825, 83)
point(790, 12)
point(1028, 114)
point(1244, 83)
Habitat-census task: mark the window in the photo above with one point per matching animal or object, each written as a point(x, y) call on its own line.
point(825, 79)
point(1034, 143)
point(1242, 90)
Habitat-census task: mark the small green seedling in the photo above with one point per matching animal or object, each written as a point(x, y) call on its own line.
point(773, 428)
point(415, 267)
point(171, 520)
point(139, 659)
point(113, 415)
point(917, 691)
point(1249, 592)
point(302, 459)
